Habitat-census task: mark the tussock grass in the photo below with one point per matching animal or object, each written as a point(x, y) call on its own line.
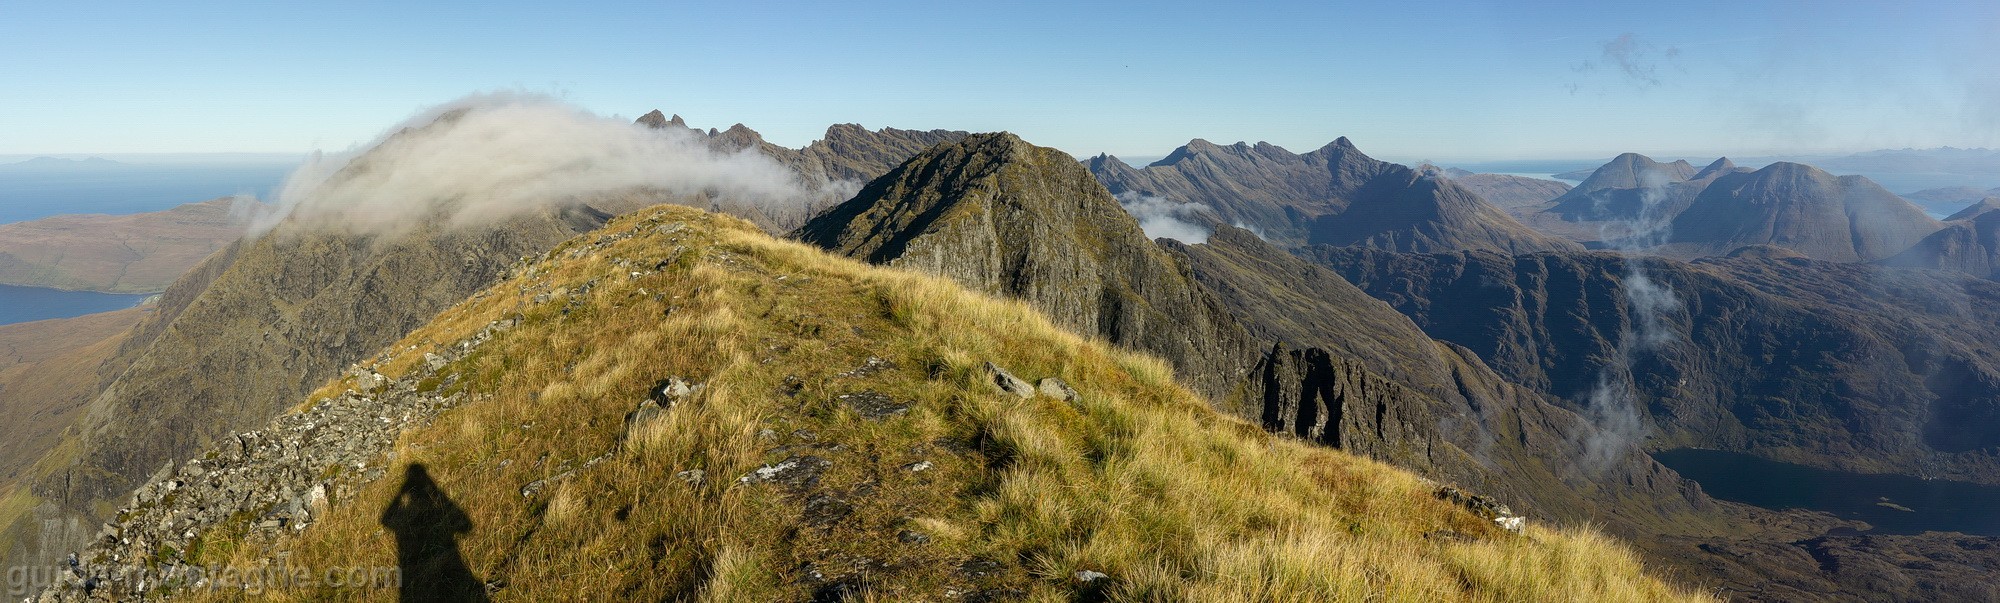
point(1138, 480)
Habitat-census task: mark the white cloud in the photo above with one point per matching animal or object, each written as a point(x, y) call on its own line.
point(1161, 218)
point(488, 157)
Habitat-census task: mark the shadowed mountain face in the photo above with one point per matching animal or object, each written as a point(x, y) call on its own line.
point(1799, 207)
point(1968, 243)
point(1846, 366)
point(1334, 195)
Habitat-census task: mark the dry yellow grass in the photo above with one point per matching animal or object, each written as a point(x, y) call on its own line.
point(1137, 480)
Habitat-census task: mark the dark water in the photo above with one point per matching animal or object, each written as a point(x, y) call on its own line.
point(1933, 505)
point(27, 194)
point(24, 304)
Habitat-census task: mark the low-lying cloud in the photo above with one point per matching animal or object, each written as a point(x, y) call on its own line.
point(1161, 218)
point(486, 158)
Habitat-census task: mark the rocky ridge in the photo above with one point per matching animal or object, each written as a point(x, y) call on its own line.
point(1335, 194)
point(260, 485)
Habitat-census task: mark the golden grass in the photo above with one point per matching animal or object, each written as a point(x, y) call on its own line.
point(1138, 480)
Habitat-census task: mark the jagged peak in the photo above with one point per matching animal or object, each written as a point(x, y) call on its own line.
point(656, 119)
point(1722, 165)
point(1107, 161)
point(836, 131)
point(1341, 146)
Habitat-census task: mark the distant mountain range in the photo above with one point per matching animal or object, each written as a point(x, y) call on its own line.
point(1895, 169)
point(1335, 195)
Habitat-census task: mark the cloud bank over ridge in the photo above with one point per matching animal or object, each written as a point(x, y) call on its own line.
point(489, 157)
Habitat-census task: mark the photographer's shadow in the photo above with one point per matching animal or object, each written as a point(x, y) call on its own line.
point(427, 525)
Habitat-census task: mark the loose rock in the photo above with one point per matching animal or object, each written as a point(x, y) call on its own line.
point(1008, 383)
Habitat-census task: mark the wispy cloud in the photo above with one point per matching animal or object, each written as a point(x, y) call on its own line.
point(489, 157)
point(1161, 218)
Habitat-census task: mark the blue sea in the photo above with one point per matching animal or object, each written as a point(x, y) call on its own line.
point(41, 189)
point(28, 304)
point(28, 192)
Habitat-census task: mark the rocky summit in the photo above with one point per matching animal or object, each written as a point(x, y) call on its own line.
point(1006, 217)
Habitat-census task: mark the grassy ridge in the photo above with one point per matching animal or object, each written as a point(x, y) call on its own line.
point(936, 486)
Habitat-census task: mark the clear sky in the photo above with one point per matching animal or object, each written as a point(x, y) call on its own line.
point(1442, 80)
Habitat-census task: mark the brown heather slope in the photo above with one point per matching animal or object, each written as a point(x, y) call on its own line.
point(48, 370)
point(138, 253)
point(847, 442)
point(265, 320)
point(263, 323)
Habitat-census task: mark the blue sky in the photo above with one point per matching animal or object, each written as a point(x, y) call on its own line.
point(1440, 80)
